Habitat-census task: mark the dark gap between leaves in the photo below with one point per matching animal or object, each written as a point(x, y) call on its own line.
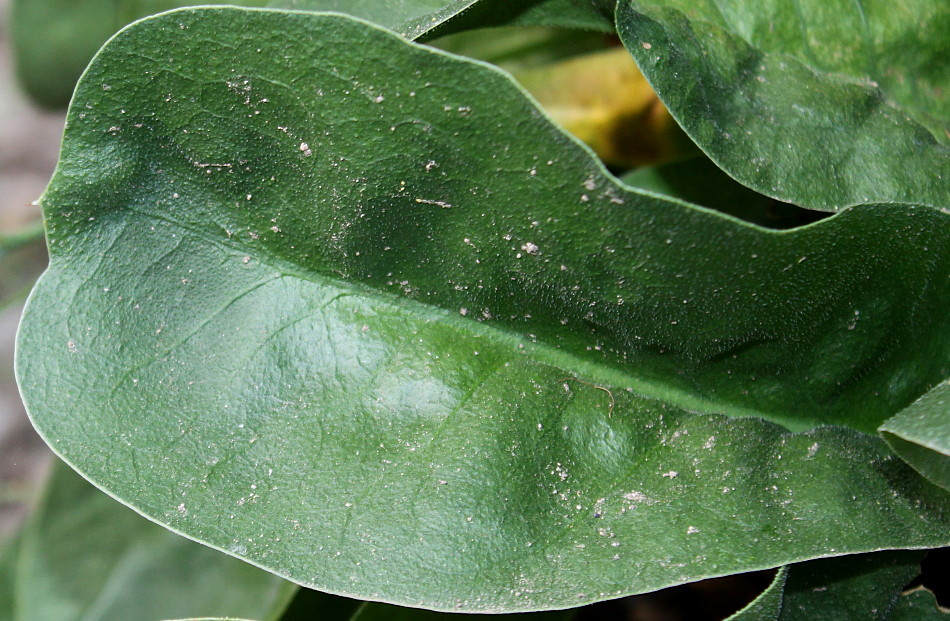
point(934, 570)
point(708, 600)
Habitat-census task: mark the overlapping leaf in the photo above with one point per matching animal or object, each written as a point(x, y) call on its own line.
point(866, 586)
point(921, 434)
point(809, 102)
point(364, 317)
point(84, 556)
point(768, 605)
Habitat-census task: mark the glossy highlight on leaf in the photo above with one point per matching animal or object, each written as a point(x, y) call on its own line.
point(809, 102)
point(383, 329)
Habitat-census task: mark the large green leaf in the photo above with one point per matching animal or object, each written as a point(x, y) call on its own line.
point(920, 434)
point(812, 102)
point(365, 317)
point(84, 556)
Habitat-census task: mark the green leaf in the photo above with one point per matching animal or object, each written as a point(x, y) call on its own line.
point(84, 556)
point(54, 39)
point(918, 605)
point(391, 334)
point(768, 605)
point(920, 434)
point(809, 102)
point(866, 586)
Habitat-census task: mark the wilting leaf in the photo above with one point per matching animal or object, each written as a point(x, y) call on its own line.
point(920, 434)
point(84, 556)
point(390, 333)
point(816, 103)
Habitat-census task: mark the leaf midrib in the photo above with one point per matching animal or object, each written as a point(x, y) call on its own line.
point(539, 352)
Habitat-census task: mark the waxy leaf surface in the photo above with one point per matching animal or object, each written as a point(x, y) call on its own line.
point(816, 103)
point(363, 316)
point(83, 556)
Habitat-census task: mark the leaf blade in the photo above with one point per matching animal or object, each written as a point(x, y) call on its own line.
point(292, 336)
point(822, 133)
point(920, 434)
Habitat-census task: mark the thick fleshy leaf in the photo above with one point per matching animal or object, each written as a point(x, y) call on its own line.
point(810, 102)
point(920, 434)
point(392, 334)
point(84, 556)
